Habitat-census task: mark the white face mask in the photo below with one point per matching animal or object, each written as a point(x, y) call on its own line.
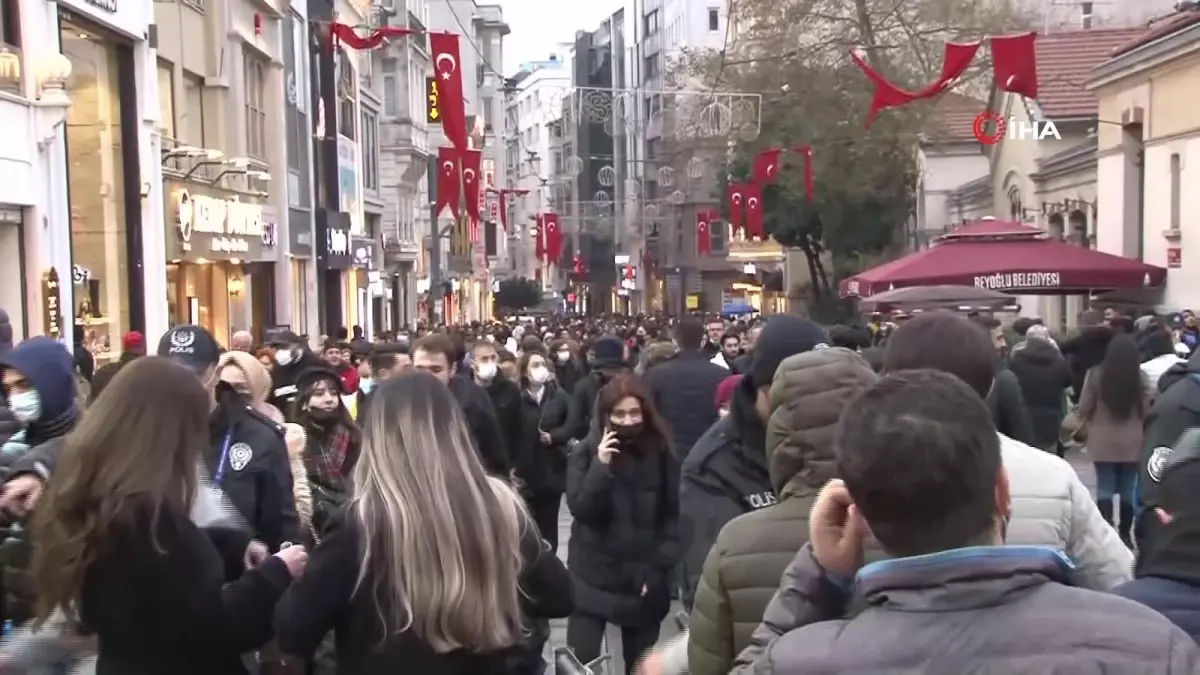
point(25, 406)
point(563, 357)
point(284, 357)
point(485, 371)
point(491, 338)
point(539, 375)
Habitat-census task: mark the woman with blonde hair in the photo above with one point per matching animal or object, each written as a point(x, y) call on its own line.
point(433, 566)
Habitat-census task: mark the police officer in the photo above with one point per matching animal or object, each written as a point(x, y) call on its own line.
point(1175, 410)
point(292, 357)
point(248, 459)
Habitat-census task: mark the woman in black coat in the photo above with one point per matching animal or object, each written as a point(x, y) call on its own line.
point(1044, 376)
point(117, 543)
point(541, 453)
point(433, 566)
point(623, 491)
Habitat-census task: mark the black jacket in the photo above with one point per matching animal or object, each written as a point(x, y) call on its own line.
point(543, 467)
point(1175, 410)
point(1168, 574)
point(723, 477)
point(624, 532)
point(283, 382)
point(248, 459)
point(180, 603)
point(741, 365)
point(1083, 352)
point(506, 404)
point(684, 390)
point(567, 374)
point(326, 598)
point(583, 402)
point(1043, 375)
point(1008, 408)
point(483, 425)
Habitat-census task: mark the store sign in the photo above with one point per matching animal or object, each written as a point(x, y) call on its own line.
point(335, 244)
point(364, 250)
point(1017, 280)
point(433, 114)
point(300, 235)
point(106, 5)
point(52, 304)
point(220, 227)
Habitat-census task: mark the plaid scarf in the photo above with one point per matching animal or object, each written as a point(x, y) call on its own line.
point(325, 465)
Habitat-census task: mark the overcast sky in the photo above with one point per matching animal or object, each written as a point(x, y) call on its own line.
point(538, 26)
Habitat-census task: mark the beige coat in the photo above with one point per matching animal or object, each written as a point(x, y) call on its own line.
point(1109, 439)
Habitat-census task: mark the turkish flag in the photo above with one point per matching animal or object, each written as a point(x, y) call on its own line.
point(766, 166)
point(448, 183)
point(703, 235)
point(554, 240)
point(540, 234)
point(754, 212)
point(447, 69)
point(506, 195)
point(470, 180)
point(1014, 64)
point(735, 194)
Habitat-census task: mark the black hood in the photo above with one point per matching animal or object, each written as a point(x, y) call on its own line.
point(1179, 371)
point(1037, 352)
point(1174, 551)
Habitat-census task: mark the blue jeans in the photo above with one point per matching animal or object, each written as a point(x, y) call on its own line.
point(1116, 478)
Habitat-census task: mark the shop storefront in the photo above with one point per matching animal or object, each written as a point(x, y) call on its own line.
point(302, 286)
point(221, 249)
point(358, 284)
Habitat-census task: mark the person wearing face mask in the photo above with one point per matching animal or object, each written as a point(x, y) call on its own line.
point(540, 452)
point(566, 367)
point(248, 457)
point(504, 394)
point(607, 357)
point(39, 386)
point(292, 357)
point(623, 492)
point(333, 441)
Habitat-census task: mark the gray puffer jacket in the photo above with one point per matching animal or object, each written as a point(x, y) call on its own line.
point(988, 609)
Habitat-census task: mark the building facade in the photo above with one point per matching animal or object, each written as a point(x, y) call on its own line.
point(224, 205)
point(1146, 92)
point(78, 189)
point(404, 129)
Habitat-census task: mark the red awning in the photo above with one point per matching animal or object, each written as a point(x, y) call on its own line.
point(1024, 265)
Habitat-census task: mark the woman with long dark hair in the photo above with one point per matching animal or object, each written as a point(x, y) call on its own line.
point(540, 457)
point(433, 566)
point(333, 441)
point(623, 491)
point(116, 549)
point(1113, 405)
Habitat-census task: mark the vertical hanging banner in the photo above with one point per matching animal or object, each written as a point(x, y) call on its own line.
point(754, 212)
point(766, 165)
point(446, 66)
point(735, 195)
point(470, 160)
point(703, 235)
point(448, 186)
point(554, 239)
point(539, 233)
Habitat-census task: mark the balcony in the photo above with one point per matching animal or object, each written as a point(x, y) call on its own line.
point(405, 135)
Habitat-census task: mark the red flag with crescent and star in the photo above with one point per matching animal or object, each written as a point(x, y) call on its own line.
point(470, 160)
point(448, 185)
point(754, 212)
point(540, 234)
point(735, 194)
point(766, 165)
point(703, 235)
point(505, 195)
point(446, 66)
point(554, 240)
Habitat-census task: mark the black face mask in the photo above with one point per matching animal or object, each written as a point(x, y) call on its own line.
point(229, 398)
point(322, 416)
point(627, 431)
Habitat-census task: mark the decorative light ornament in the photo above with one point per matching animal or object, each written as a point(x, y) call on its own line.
point(53, 71)
point(10, 67)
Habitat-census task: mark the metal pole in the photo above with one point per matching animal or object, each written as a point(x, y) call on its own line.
point(435, 246)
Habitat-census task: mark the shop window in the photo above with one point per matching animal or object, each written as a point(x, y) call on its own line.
point(191, 117)
point(10, 33)
point(166, 99)
point(97, 192)
point(370, 149)
point(255, 91)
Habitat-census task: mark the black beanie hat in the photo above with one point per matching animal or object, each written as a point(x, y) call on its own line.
point(784, 335)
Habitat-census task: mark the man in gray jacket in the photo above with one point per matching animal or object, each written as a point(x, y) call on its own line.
point(922, 471)
point(1050, 505)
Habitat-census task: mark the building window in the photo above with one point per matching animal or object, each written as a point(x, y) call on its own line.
point(714, 19)
point(486, 103)
point(390, 104)
point(10, 32)
point(370, 150)
point(1176, 190)
point(650, 23)
point(716, 236)
point(347, 115)
point(166, 100)
point(191, 117)
point(255, 80)
point(651, 66)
